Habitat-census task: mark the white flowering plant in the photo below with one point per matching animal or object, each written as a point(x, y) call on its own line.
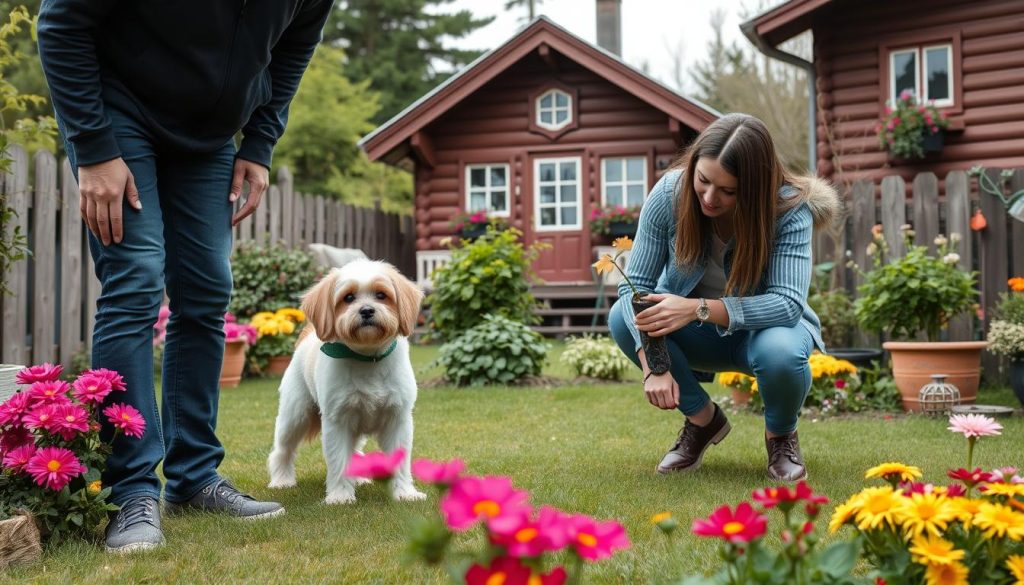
point(596, 357)
point(1006, 332)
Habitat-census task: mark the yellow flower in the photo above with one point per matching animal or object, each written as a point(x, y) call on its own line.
point(657, 518)
point(965, 510)
point(623, 243)
point(605, 265)
point(844, 513)
point(95, 487)
point(1016, 565)
point(893, 470)
point(933, 550)
point(926, 513)
point(260, 318)
point(292, 314)
point(999, 520)
point(285, 326)
point(268, 327)
point(882, 505)
point(1004, 489)
point(951, 574)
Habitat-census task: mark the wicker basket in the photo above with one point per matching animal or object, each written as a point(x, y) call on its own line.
point(8, 386)
point(19, 541)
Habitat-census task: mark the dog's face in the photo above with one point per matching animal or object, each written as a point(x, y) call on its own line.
point(364, 304)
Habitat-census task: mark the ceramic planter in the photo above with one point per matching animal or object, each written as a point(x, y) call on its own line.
point(914, 362)
point(655, 348)
point(234, 363)
point(276, 365)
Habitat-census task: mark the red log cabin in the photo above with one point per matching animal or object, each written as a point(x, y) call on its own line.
point(539, 131)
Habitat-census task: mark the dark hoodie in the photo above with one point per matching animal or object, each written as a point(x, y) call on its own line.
point(193, 72)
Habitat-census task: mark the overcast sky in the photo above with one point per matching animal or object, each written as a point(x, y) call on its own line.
point(652, 30)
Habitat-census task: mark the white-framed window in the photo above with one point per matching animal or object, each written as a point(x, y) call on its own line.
point(927, 72)
point(557, 194)
point(624, 181)
point(487, 189)
point(554, 109)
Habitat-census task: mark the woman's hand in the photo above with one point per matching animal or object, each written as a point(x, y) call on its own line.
point(662, 391)
point(670, 314)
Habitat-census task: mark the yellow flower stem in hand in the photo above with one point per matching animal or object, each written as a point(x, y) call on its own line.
point(607, 263)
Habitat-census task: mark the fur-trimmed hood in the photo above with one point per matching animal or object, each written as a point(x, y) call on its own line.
point(819, 195)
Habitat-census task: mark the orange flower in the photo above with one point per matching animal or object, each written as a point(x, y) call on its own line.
point(1016, 284)
point(605, 265)
point(623, 243)
point(978, 222)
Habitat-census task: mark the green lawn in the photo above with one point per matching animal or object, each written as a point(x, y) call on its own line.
point(589, 449)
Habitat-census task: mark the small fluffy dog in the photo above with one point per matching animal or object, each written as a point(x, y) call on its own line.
point(351, 376)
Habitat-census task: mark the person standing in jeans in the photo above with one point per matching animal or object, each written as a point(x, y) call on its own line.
point(724, 247)
point(148, 98)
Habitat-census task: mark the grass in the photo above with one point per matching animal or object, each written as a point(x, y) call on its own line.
point(588, 449)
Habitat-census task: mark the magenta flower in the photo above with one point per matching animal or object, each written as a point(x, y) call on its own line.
point(16, 459)
point(244, 332)
point(41, 373)
point(970, 478)
point(54, 467)
point(743, 525)
point(15, 437)
point(523, 536)
point(955, 490)
point(126, 418)
point(472, 499)
point(42, 418)
point(116, 380)
point(974, 425)
point(92, 388)
point(52, 392)
point(443, 473)
point(593, 540)
point(1007, 475)
point(69, 420)
point(14, 408)
point(376, 465)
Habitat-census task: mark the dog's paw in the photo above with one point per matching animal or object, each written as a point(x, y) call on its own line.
point(408, 494)
point(342, 497)
point(282, 482)
point(362, 480)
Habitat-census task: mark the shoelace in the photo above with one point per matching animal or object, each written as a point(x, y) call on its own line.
point(136, 511)
point(229, 493)
point(687, 435)
point(785, 446)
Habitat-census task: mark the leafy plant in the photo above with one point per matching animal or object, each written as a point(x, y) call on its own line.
point(489, 275)
point(1006, 332)
point(495, 351)
point(915, 293)
point(833, 306)
point(268, 278)
point(905, 125)
point(596, 357)
point(602, 217)
point(277, 333)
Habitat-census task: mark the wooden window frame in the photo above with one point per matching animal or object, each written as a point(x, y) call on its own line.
point(624, 183)
point(537, 226)
point(467, 186)
point(920, 40)
point(534, 112)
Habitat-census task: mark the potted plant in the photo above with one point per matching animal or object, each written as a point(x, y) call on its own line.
point(834, 309)
point(237, 338)
point(918, 294)
point(470, 226)
point(1006, 333)
point(614, 221)
point(909, 129)
point(741, 386)
point(277, 333)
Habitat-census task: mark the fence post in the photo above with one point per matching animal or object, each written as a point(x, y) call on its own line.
point(863, 221)
point(44, 259)
point(926, 210)
point(71, 273)
point(994, 265)
point(894, 214)
point(958, 210)
point(15, 306)
point(285, 187)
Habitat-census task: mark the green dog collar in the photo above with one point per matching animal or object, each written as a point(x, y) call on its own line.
point(339, 350)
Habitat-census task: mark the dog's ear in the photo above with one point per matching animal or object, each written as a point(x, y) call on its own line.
point(318, 305)
point(408, 297)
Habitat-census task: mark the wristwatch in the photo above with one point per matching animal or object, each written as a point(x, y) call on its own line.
point(703, 312)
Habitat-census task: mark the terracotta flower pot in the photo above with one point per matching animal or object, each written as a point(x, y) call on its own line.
point(276, 365)
point(740, 397)
point(914, 362)
point(234, 363)
point(655, 348)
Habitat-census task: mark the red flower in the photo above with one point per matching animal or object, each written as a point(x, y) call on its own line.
point(126, 418)
point(115, 379)
point(743, 525)
point(15, 437)
point(92, 388)
point(595, 540)
point(14, 408)
point(16, 459)
point(840, 383)
point(376, 465)
point(54, 467)
point(502, 570)
point(70, 419)
point(956, 490)
point(438, 472)
point(41, 373)
point(970, 478)
point(778, 496)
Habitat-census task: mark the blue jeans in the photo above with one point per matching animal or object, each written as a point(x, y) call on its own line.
point(180, 240)
point(776, 356)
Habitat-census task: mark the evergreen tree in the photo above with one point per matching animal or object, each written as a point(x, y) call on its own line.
point(399, 45)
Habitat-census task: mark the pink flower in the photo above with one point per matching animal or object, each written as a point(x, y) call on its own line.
point(906, 94)
point(1006, 475)
point(126, 418)
point(472, 499)
point(16, 437)
point(54, 467)
point(934, 129)
point(523, 536)
point(53, 392)
point(229, 317)
point(69, 420)
point(888, 110)
point(16, 459)
point(743, 525)
point(974, 425)
point(438, 472)
point(42, 417)
point(14, 408)
point(376, 465)
point(116, 380)
point(92, 388)
point(236, 331)
point(956, 490)
point(41, 373)
point(595, 540)
point(785, 497)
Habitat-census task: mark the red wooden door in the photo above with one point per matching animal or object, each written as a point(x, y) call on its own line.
point(555, 207)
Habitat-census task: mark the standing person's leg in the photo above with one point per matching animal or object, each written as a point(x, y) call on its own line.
point(777, 357)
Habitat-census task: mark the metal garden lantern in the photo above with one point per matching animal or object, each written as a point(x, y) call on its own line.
point(938, 396)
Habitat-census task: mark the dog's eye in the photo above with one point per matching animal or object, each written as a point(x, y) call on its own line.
point(349, 298)
point(381, 296)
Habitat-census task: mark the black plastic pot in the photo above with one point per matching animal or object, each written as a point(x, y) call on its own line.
point(933, 142)
point(1017, 379)
point(473, 233)
point(622, 228)
point(858, 356)
point(655, 348)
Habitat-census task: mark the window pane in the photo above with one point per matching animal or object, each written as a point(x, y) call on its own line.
point(904, 67)
point(547, 194)
point(613, 194)
point(635, 169)
point(478, 177)
point(547, 216)
point(568, 215)
point(561, 116)
point(547, 172)
point(545, 102)
point(936, 62)
point(497, 176)
point(635, 195)
point(498, 201)
point(568, 171)
point(568, 193)
point(477, 200)
point(545, 117)
point(561, 100)
point(612, 170)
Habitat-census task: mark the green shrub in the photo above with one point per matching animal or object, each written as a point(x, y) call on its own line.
point(596, 357)
point(495, 351)
point(487, 276)
point(268, 278)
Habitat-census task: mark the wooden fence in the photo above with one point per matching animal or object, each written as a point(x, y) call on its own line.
point(49, 318)
point(996, 252)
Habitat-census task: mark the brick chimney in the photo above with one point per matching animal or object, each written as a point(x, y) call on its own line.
point(609, 25)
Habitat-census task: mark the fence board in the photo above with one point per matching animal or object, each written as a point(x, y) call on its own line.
point(958, 210)
point(862, 221)
point(994, 265)
point(1017, 230)
point(926, 210)
point(284, 185)
point(275, 214)
point(331, 227)
point(15, 324)
point(321, 219)
point(245, 228)
point(894, 214)
point(44, 256)
point(298, 218)
point(260, 223)
point(350, 227)
point(71, 275)
point(92, 294)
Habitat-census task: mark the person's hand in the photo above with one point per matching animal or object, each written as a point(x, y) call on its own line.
point(258, 178)
point(662, 391)
point(102, 188)
point(670, 314)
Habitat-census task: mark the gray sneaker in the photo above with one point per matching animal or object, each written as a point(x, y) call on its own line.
point(221, 496)
point(135, 527)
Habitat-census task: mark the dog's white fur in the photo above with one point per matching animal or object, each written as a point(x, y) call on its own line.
point(345, 398)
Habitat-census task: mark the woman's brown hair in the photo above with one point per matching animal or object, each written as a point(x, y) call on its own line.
point(743, 147)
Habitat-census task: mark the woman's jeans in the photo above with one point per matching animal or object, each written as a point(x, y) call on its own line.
point(181, 240)
point(776, 356)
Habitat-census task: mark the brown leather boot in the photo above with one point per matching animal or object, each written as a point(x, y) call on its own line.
point(688, 451)
point(785, 463)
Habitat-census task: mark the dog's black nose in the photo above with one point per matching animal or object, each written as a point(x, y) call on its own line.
point(367, 312)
